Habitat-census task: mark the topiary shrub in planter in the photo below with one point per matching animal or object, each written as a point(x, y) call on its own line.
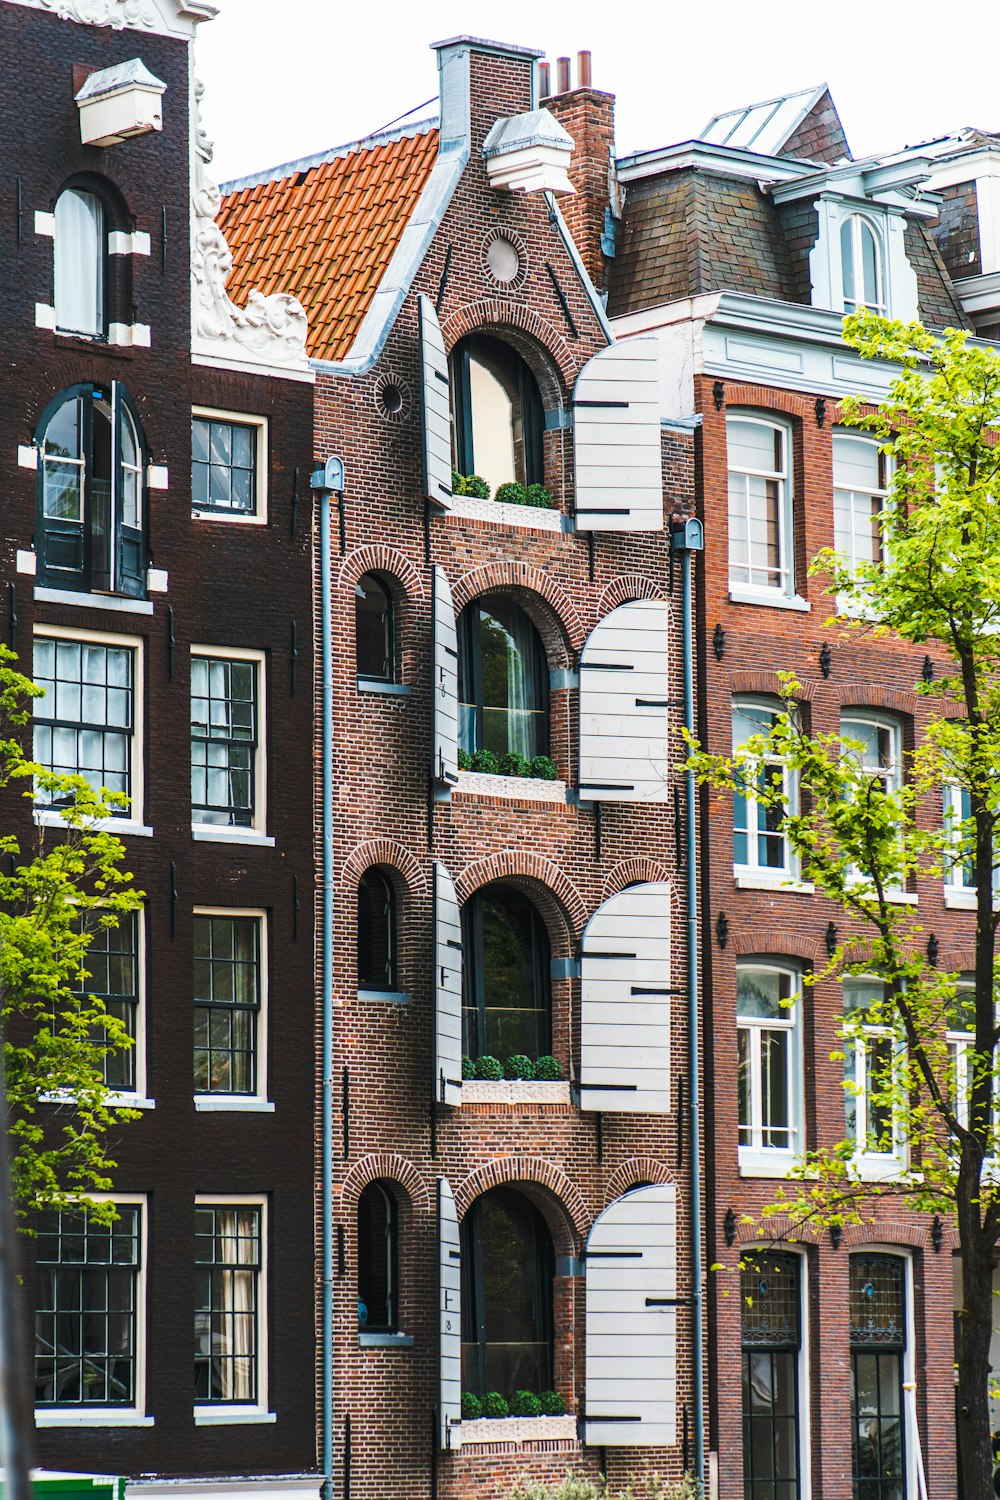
point(513, 764)
point(542, 767)
point(540, 497)
point(547, 1069)
point(486, 760)
point(511, 494)
point(494, 1405)
point(472, 1407)
point(525, 1404)
point(470, 484)
point(489, 1068)
point(552, 1404)
point(468, 1067)
point(464, 760)
point(519, 1066)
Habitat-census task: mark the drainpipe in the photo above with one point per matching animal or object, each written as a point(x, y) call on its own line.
point(686, 538)
point(327, 480)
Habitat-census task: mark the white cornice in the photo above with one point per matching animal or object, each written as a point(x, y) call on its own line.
point(725, 161)
point(161, 17)
point(980, 295)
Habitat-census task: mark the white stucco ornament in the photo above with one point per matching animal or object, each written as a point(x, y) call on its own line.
point(115, 13)
point(270, 330)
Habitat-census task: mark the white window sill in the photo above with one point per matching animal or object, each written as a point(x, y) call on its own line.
point(760, 880)
point(229, 518)
point(49, 818)
point(388, 689)
point(100, 1417)
point(207, 833)
point(113, 1101)
point(217, 1103)
point(518, 1430)
point(94, 601)
point(390, 997)
point(770, 597)
point(499, 513)
point(878, 1168)
point(385, 1340)
point(895, 898)
point(516, 1091)
point(957, 899)
point(230, 1416)
point(776, 1163)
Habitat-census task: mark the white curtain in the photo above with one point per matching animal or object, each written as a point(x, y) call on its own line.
point(239, 1242)
point(79, 263)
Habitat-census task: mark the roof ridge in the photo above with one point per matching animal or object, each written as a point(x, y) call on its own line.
point(320, 158)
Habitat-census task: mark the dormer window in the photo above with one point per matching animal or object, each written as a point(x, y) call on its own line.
point(861, 266)
point(80, 263)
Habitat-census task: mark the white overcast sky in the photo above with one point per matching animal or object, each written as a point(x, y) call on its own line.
point(286, 78)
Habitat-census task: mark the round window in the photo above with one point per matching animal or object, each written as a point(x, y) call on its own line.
point(503, 260)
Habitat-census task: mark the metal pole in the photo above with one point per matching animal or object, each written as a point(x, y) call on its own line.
point(327, 997)
point(15, 1425)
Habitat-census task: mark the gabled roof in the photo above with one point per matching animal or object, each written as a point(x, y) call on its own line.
point(765, 127)
point(325, 228)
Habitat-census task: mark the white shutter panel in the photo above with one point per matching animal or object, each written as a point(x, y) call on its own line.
point(625, 1014)
point(616, 424)
point(631, 1324)
point(435, 403)
point(450, 1320)
point(444, 665)
point(624, 681)
point(447, 990)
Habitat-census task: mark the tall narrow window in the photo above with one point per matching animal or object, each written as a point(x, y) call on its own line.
point(767, 1006)
point(227, 1002)
point(759, 845)
point(87, 1309)
point(875, 745)
point(373, 629)
point(497, 417)
point(112, 975)
point(861, 264)
point(378, 1309)
point(872, 1056)
point(506, 976)
point(961, 1037)
point(772, 1343)
point(878, 1346)
point(228, 1318)
point(224, 741)
point(80, 263)
point(84, 724)
point(508, 1266)
point(502, 681)
point(860, 486)
point(760, 517)
point(376, 932)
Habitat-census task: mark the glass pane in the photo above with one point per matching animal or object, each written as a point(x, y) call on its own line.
point(373, 615)
point(847, 263)
point(79, 262)
point(760, 992)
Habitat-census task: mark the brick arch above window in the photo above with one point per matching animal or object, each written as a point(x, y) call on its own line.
point(957, 960)
point(552, 361)
point(889, 1232)
point(757, 399)
point(768, 684)
point(625, 589)
point(388, 854)
point(777, 943)
point(63, 373)
point(551, 890)
point(635, 1172)
point(779, 1229)
point(874, 695)
point(550, 608)
point(635, 871)
point(385, 1166)
point(385, 560)
point(567, 1215)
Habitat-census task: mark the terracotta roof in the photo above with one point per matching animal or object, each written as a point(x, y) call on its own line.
point(326, 229)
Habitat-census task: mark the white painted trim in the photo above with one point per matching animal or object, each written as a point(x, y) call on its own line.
point(104, 1417)
point(267, 1487)
point(130, 335)
point(518, 1430)
point(157, 580)
point(47, 818)
point(45, 224)
point(206, 833)
point(388, 689)
point(27, 456)
point(114, 602)
point(387, 997)
point(240, 1104)
point(255, 834)
point(121, 243)
point(962, 899)
point(262, 460)
point(45, 316)
point(516, 788)
point(769, 1163)
point(157, 477)
point(748, 879)
point(385, 1340)
point(521, 517)
point(803, 1373)
point(231, 1416)
point(515, 1091)
point(27, 562)
point(257, 1102)
point(258, 1411)
point(244, 367)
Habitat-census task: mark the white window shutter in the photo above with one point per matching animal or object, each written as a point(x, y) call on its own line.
point(435, 406)
point(625, 1012)
point(624, 682)
point(631, 1322)
point(450, 1319)
point(616, 424)
point(444, 656)
point(447, 990)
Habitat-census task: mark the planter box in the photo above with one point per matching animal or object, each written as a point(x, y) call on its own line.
point(515, 1091)
point(522, 788)
point(522, 517)
point(519, 1430)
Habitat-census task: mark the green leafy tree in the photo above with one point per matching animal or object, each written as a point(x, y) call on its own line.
point(54, 898)
point(928, 1041)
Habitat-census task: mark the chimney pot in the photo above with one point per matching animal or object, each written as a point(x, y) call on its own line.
point(562, 75)
point(583, 70)
point(544, 80)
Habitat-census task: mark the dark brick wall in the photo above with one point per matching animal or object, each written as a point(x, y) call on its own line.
point(820, 136)
point(229, 585)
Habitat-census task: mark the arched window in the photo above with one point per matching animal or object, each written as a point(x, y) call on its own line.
point(91, 522)
point(503, 687)
point(374, 629)
point(81, 243)
point(376, 932)
point(497, 416)
point(508, 1265)
point(378, 1260)
point(861, 265)
point(506, 1003)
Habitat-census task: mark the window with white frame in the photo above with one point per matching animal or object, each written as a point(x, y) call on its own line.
point(227, 786)
point(760, 504)
point(113, 973)
point(960, 873)
point(768, 999)
point(873, 1070)
point(87, 723)
point(230, 1319)
point(875, 743)
point(228, 465)
point(229, 985)
point(961, 1038)
point(862, 265)
point(81, 248)
point(89, 1310)
point(759, 844)
point(860, 486)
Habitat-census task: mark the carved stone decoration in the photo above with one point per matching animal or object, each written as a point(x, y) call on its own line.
point(269, 330)
point(114, 13)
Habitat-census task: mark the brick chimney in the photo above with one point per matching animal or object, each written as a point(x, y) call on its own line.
point(589, 116)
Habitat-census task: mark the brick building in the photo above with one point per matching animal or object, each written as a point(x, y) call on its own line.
point(502, 825)
point(741, 251)
point(156, 551)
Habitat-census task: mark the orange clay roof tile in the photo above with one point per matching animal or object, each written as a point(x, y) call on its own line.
point(328, 239)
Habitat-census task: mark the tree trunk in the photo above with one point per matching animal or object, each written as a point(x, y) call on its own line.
point(975, 1445)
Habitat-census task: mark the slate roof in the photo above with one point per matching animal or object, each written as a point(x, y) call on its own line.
point(325, 229)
